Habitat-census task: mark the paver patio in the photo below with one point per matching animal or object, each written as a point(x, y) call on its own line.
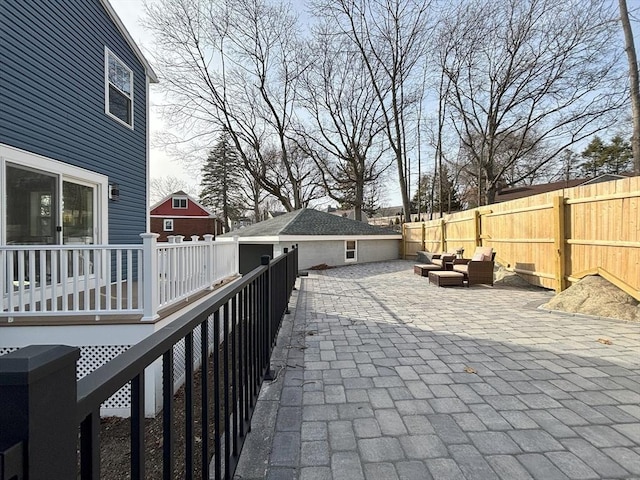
point(383, 376)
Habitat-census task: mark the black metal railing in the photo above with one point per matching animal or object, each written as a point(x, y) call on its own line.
point(229, 337)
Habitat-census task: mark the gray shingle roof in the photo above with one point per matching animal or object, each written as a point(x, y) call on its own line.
point(309, 222)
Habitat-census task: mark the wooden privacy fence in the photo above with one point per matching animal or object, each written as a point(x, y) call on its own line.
point(552, 239)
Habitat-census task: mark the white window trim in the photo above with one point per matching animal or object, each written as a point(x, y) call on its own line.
point(66, 172)
point(108, 52)
point(167, 222)
point(186, 203)
point(355, 251)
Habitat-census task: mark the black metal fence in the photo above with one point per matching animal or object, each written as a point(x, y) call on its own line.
point(50, 423)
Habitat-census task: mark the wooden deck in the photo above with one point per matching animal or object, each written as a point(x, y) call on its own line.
point(79, 319)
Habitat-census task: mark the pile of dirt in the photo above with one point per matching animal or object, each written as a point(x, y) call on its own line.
point(322, 266)
point(594, 295)
point(501, 276)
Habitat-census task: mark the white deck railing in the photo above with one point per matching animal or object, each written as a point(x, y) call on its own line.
point(48, 280)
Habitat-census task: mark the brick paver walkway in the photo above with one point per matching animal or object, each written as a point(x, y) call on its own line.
point(383, 376)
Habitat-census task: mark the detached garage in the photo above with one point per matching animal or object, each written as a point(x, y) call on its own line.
point(322, 238)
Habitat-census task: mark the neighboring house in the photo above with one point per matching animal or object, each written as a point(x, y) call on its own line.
point(513, 193)
point(350, 214)
point(240, 223)
point(180, 214)
point(390, 217)
point(322, 239)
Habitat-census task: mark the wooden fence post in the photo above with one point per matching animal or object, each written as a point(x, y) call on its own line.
point(404, 242)
point(443, 240)
point(559, 242)
point(477, 228)
point(424, 237)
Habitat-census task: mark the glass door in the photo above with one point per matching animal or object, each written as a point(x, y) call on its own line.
point(77, 214)
point(31, 207)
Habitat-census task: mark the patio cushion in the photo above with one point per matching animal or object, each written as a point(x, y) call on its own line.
point(446, 274)
point(425, 268)
point(462, 268)
point(482, 254)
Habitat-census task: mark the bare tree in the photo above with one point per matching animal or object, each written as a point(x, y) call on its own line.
point(164, 186)
point(634, 83)
point(528, 73)
point(345, 139)
point(390, 36)
point(230, 65)
point(253, 194)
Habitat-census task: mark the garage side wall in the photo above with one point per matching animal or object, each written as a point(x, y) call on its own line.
point(332, 252)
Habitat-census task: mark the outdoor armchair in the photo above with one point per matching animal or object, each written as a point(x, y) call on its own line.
point(479, 268)
point(443, 260)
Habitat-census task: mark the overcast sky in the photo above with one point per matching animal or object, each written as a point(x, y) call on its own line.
point(131, 12)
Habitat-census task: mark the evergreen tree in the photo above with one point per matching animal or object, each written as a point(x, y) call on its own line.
point(423, 204)
point(221, 181)
point(600, 157)
point(430, 202)
point(619, 156)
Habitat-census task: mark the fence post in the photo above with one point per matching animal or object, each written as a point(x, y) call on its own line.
point(149, 276)
point(266, 260)
point(295, 266)
point(443, 240)
point(404, 243)
point(236, 268)
point(559, 242)
point(424, 237)
point(287, 279)
point(477, 228)
point(38, 395)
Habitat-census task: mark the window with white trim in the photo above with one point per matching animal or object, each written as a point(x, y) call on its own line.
point(119, 89)
point(179, 202)
point(350, 250)
point(167, 225)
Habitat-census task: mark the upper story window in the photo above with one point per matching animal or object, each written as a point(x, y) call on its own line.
point(179, 202)
point(118, 89)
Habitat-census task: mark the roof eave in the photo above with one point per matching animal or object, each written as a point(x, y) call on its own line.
point(153, 78)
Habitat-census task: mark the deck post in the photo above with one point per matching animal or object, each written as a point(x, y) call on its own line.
point(38, 412)
point(209, 260)
point(149, 276)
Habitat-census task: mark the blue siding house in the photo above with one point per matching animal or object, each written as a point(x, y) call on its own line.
point(74, 140)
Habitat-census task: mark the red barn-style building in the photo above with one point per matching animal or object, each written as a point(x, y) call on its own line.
point(179, 214)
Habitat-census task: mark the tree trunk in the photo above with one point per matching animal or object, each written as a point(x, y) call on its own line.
point(634, 84)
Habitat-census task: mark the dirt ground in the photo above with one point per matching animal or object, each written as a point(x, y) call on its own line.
point(592, 295)
point(115, 458)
